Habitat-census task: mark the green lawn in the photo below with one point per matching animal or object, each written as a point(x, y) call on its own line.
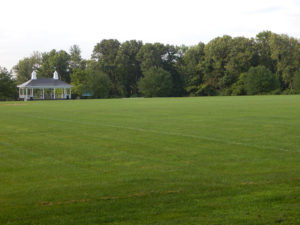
point(206, 160)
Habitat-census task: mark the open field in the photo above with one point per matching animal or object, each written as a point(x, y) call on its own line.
point(208, 160)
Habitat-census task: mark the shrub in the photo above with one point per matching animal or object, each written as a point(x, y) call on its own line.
point(8, 88)
point(260, 80)
point(238, 88)
point(156, 83)
point(99, 84)
point(297, 82)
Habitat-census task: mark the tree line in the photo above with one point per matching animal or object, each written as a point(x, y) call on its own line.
point(266, 64)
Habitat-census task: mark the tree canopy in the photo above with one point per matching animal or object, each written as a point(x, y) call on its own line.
point(220, 67)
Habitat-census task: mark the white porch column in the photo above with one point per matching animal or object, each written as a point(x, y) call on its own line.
point(43, 93)
point(54, 93)
point(65, 93)
point(26, 96)
point(19, 92)
point(31, 92)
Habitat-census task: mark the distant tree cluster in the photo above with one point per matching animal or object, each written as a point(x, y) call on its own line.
point(8, 89)
point(267, 64)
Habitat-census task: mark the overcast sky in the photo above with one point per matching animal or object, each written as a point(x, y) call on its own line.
point(42, 25)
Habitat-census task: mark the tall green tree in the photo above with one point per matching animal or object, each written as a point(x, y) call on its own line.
point(26, 65)
point(171, 63)
point(192, 68)
point(129, 71)
point(105, 53)
point(59, 60)
point(286, 52)
point(241, 57)
point(217, 55)
point(151, 55)
point(263, 50)
point(163, 56)
point(75, 58)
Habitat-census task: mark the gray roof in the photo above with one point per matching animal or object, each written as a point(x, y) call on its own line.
point(45, 83)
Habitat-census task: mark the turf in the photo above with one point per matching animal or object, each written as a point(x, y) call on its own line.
point(206, 160)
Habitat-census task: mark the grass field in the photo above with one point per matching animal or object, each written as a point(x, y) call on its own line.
point(207, 160)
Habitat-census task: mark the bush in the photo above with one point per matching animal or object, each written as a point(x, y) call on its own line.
point(260, 80)
point(8, 88)
point(238, 88)
point(156, 83)
point(78, 81)
point(99, 84)
point(206, 90)
point(288, 92)
point(297, 82)
point(276, 92)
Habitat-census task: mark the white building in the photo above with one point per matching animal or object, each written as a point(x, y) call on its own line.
point(44, 88)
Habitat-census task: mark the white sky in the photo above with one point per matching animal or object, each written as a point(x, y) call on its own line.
point(42, 25)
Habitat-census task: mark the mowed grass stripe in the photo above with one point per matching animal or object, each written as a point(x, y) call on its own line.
point(207, 138)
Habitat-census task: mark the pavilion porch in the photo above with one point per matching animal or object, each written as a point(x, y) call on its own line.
point(44, 93)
